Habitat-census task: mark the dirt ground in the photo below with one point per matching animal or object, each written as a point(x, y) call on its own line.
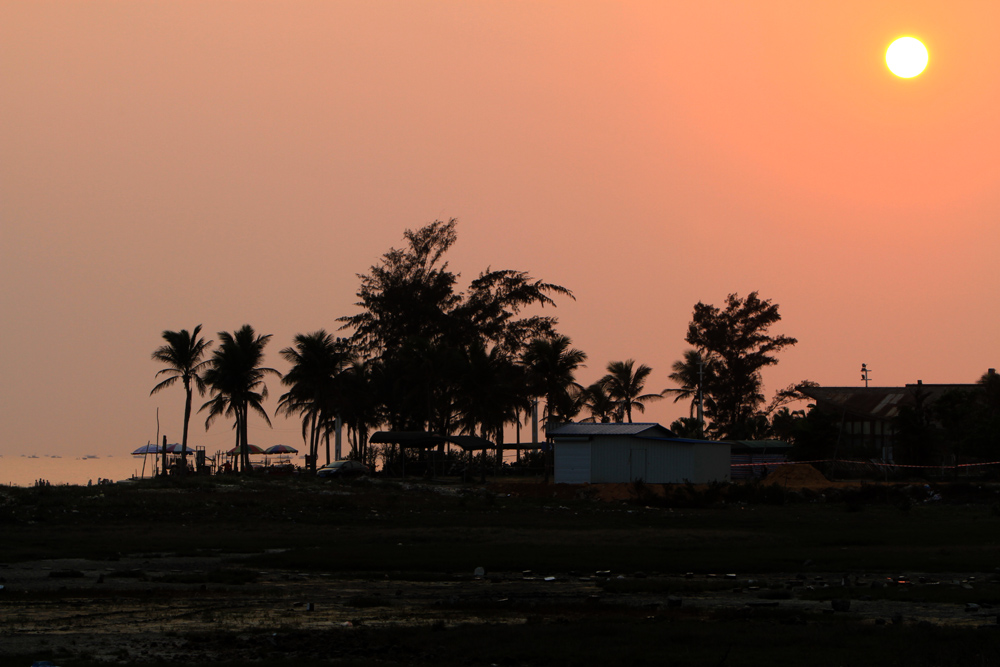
point(796, 476)
point(201, 606)
point(123, 611)
point(803, 476)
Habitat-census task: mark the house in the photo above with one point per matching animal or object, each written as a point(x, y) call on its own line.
point(867, 415)
point(610, 453)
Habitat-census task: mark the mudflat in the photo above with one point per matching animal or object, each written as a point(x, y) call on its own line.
point(384, 572)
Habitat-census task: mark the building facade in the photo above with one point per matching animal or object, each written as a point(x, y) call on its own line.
point(616, 453)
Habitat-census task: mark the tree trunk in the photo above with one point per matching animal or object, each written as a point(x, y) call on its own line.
point(313, 443)
point(187, 418)
point(326, 436)
point(244, 440)
point(237, 459)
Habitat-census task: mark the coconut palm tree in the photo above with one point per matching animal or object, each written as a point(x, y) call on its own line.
point(693, 374)
point(601, 406)
point(687, 374)
point(490, 394)
point(317, 359)
point(624, 384)
point(184, 358)
point(360, 407)
point(551, 364)
point(235, 379)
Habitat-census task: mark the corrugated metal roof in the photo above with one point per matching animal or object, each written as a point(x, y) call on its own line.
point(760, 445)
point(646, 429)
point(878, 402)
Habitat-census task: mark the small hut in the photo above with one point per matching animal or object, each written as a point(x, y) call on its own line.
point(616, 453)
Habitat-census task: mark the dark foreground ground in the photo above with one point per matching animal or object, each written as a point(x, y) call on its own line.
point(298, 572)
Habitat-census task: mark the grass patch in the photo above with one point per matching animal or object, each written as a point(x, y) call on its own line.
point(390, 528)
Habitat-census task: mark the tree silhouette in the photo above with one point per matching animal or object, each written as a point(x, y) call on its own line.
point(235, 379)
point(990, 382)
point(317, 360)
point(419, 332)
point(360, 406)
point(624, 384)
point(490, 394)
point(602, 407)
point(691, 374)
point(184, 358)
point(408, 295)
point(969, 420)
point(736, 340)
point(551, 363)
point(495, 298)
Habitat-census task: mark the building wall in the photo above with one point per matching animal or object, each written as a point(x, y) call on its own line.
point(869, 437)
point(670, 463)
point(617, 459)
point(625, 459)
point(711, 463)
point(572, 463)
point(610, 461)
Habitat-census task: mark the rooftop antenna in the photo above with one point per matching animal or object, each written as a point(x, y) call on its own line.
point(864, 374)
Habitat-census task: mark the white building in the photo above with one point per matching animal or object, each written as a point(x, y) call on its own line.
point(609, 453)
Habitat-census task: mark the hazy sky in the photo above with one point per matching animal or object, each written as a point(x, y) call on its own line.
point(165, 164)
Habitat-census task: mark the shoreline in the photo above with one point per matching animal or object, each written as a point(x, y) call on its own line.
point(26, 469)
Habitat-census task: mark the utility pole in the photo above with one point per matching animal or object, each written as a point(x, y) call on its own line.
point(338, 427)
point(864, 374)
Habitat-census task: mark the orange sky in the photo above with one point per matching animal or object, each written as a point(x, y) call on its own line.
point(165, 164)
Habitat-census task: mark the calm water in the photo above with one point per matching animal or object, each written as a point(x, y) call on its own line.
point(25, 470)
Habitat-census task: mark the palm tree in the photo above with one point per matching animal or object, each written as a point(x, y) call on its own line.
point(551, 364)
point(235, 378)
point(183, 354)
point(360, 407)
point(602, 408)
point(624, 384)
point(317, 359)
point(693, 373)
point(490, 394)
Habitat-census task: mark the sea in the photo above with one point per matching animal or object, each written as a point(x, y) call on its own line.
point(29, 470)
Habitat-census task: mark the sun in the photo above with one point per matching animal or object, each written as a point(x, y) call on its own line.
point(906, 57)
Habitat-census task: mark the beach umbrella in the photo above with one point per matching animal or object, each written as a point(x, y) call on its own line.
point(281, 449)
point(176, 448)
point(147, 449)
point(253, 449)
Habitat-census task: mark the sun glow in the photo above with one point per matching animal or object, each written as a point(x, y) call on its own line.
point(906, 57)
